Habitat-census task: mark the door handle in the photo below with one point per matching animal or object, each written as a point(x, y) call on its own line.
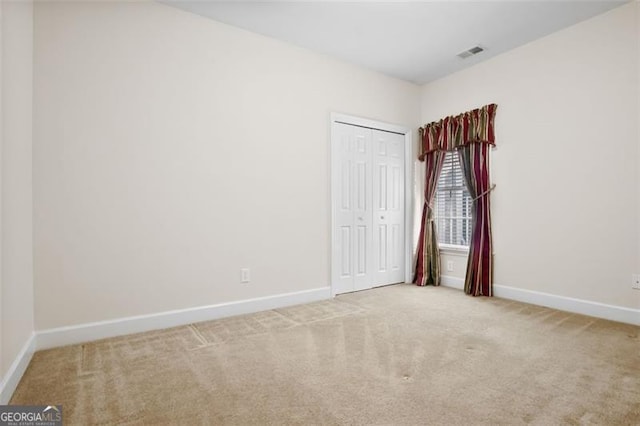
point(360, 218)
point(381, 217)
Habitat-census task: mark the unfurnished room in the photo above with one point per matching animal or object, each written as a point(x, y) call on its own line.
point(319, 213)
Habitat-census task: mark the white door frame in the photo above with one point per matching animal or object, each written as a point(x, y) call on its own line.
point(408, 187)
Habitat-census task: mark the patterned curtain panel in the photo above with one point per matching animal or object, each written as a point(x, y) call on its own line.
point(428, 260)
point(472, 134)
point(474, 161)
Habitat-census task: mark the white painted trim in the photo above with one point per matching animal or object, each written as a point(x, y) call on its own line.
point(10, 381)
point(365, 122)
point(408, 205)
point(562, 303)
point(569, 304)
point(3, 379)
point(453, 251)
point(453, 282)
point(332, 185)
point(408, 187)
point(74, 334)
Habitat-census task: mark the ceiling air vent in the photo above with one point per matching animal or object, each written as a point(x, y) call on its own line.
point(468, 53)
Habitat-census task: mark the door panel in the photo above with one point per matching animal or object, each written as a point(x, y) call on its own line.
point(343, 250)
point(361, 250)
point(362, 211)
point(345, 245)
point(381, 189)
point(352, 244)
point(388, 215)
point(368, 203)
point(382, 248)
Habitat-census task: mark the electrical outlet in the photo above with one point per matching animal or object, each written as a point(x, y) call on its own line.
point(450, 265)
point(635, 281)
point(245, 275)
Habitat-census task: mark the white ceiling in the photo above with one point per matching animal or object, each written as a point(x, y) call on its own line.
point(413, 41)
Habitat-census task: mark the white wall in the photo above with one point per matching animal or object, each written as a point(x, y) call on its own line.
point(459, 260)
point(2, 361)
point(637, 177)
point(170, 151)
point(16, 260)
point(565, 210)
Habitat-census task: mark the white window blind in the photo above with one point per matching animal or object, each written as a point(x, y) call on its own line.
point(453, 205)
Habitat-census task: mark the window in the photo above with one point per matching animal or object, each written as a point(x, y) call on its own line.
point(453, 205)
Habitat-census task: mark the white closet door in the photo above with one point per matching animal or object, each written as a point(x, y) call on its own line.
point(352, 199)
point(388, 208)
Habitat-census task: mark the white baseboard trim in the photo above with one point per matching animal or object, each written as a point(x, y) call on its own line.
point(570, 304)
point(10, 381)
point(563, 303)
point(452, 282)
point(70, 335)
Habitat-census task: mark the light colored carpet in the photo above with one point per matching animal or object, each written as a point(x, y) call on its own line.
point(393, 355)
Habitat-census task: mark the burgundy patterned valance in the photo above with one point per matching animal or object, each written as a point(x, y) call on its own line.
point(452, 132)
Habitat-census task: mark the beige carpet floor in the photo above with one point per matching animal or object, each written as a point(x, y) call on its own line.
point(393, 355)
